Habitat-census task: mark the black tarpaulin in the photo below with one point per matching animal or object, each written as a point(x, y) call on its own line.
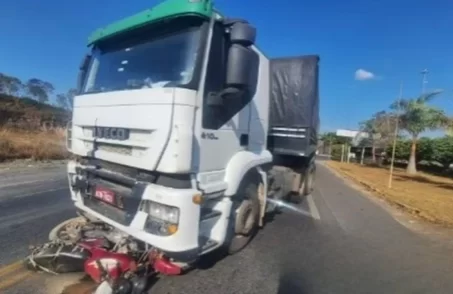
point(294, 99)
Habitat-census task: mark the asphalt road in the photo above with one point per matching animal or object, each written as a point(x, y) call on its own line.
point(339, 242)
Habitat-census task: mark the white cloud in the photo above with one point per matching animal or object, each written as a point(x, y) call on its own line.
point(363, 75)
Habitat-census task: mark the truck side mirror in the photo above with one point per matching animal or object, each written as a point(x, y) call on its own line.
point(242, 33)
point(243, 62)
point(83, 69)
point(242, 67)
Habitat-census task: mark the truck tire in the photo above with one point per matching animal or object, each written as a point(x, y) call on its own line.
point(245, 213)
point(307, 184)
point(310, 178)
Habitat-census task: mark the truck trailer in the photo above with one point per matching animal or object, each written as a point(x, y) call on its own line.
point(184, 136)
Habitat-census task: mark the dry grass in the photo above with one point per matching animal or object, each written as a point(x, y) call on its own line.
point(426, 196)
point(36, 145)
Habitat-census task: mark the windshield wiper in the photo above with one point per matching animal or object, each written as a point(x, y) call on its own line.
point(98, 90)
point(139, 84)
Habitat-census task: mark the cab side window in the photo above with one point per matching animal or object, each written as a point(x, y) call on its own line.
point(217, 111)
point(215, 79)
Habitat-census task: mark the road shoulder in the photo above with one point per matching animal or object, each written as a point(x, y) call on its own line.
point(433, 231)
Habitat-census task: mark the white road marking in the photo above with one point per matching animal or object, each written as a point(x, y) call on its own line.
point(40, 192)
point(312, 207)
point(28, 182)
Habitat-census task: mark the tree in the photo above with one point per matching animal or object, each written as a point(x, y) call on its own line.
point(425, 149)
point(449, 128)
point(62, 100)
point(416, 116)
point(443, 151)
point(40, 90)
point(402, 149)
point(369, 127)
point(10, 85)
point(66, 100)
point(70, 97)
point(380, 129)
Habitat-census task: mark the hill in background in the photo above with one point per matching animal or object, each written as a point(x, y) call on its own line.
point(29, 114)
point(31, 127)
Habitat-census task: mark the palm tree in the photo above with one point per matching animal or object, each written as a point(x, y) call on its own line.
point(370, 128)
point(416, 116)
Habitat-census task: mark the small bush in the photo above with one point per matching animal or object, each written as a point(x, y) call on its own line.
point(336, 152)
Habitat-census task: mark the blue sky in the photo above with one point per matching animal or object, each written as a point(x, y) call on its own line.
point(394, 40)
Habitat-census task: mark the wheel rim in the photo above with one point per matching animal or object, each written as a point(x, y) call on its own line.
point(68, 230)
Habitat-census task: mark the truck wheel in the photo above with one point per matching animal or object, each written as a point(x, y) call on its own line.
point(246, 214)
point(310, 180)
point(297, 197)
point(307, 185)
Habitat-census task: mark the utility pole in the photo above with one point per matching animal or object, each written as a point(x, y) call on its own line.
point(395, 138)
point(424, 79)
point(342, 152)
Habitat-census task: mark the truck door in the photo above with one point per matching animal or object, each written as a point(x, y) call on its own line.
point(222, 129)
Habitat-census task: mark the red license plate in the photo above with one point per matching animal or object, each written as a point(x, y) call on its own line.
point(105, 195)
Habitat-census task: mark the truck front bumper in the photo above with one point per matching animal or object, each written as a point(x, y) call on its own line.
point(133, 220)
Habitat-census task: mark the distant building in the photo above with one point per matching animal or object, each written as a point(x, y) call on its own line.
point(356, 136)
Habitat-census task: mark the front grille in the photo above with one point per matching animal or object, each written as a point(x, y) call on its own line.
point(113, 167)
point(113, 148)
point(176, 181)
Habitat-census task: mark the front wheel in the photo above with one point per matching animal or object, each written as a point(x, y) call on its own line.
point(245, 213)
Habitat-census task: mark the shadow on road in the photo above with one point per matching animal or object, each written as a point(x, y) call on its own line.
point(289, 284)
point(211, 259)
point(424, 180)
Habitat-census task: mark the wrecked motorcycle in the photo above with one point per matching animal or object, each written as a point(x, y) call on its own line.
point(119, 264)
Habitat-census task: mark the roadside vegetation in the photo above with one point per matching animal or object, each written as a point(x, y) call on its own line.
point(32, 119)
point(425, 195)
point(422, 182)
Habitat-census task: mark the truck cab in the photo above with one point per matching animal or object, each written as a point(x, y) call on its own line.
point(171, 131)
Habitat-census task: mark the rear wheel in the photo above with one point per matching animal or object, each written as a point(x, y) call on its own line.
point(310, 177)
point(246, 214)
point(307, 184)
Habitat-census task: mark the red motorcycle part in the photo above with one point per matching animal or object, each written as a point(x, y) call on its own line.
point(105, 264)
point(89, 244)
point(165, 267)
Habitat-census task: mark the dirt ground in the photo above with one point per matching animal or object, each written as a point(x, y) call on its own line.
point(425, 196)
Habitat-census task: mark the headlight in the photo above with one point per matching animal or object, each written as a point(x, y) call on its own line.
point(162, 220)
point(163, 212)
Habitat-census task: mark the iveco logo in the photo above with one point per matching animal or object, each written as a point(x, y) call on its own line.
point(111, 133)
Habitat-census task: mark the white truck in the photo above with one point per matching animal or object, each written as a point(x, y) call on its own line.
point(184, 134)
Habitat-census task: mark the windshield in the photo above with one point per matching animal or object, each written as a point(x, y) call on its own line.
point(166, 60)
